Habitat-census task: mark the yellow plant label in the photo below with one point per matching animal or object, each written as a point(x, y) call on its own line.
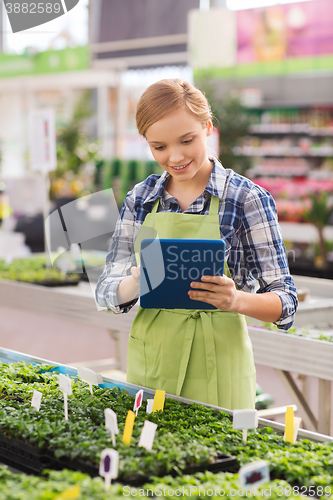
point(159, 400)
point(71, 494)
point(289, 421)
point(128, 429)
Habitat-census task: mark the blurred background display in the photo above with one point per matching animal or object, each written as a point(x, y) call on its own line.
point(266, 67)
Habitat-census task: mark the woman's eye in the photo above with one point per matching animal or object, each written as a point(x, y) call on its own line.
point(188, 141)
point(159, 148)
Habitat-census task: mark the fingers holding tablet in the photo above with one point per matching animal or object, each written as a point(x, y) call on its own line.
point(219, 291)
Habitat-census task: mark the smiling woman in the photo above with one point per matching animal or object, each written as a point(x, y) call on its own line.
point(203, 353)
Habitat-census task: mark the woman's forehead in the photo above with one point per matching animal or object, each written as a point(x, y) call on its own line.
point(176, 124)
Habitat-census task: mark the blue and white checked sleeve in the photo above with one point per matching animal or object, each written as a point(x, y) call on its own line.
point(120, 258)
point(265, 254)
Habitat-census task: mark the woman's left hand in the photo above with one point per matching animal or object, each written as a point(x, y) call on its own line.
point(219, 291)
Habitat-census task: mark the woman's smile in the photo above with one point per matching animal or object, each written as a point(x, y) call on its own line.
point(181, 168)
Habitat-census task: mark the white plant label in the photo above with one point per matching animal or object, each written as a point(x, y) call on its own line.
point(88, 376)
point(147, 435)
point(253, 475)
point(111, 424)
point(138, 401)
point(297, 423)
point(36, 399)
point(150, 404)
point(244, 420)
point(108, 466)
point(65, 385)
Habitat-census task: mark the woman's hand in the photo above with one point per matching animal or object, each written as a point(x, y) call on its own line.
point(219, 291)
point(135, 271)
point(129, 287)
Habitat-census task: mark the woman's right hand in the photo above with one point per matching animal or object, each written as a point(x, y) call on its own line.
point(129, 287)
point(135, 271)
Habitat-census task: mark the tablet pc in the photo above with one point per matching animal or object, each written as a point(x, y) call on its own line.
point(168, 266)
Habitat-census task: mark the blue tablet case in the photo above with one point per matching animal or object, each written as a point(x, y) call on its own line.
point(168, 266)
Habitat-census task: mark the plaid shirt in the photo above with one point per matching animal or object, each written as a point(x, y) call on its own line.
point(255, 250)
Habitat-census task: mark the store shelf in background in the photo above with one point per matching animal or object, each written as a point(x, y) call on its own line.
point(295, 128)
point(292, 151)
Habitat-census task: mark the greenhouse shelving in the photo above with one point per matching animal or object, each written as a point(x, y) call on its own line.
point(283, 352)
point(10, 356)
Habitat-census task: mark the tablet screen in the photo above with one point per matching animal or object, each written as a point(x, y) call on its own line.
point(168, 266)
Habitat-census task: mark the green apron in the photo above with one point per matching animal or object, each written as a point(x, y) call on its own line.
point(205, 355)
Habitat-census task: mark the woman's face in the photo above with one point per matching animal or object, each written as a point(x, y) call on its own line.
point(178, 143)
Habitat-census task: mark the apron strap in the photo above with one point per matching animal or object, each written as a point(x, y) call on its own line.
point(214, 205)
point(210, 354)
point(213, 209)
point(155, 207)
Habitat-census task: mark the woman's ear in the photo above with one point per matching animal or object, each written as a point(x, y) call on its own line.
point(209, 128)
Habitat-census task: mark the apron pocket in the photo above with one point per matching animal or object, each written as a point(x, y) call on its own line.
point(136, 362)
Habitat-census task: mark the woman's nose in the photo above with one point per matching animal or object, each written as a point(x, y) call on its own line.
point(176, 156)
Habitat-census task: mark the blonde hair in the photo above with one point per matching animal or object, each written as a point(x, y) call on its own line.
point(169, 95)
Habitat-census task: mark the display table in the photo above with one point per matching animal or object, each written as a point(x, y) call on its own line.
point(286, 353)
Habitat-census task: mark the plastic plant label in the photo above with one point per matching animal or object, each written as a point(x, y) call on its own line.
point(138, 401)
point(289, 423)
point(297, 423)
point(36, 399)
point(253, 475)
point(128, 429)
point(88, 376)
point(65, 385)
point(159, 400)
point(149, 407)
point(244, 420)
point(147, 435)
point(111, 424)
point(108, 466)
point(71, 494)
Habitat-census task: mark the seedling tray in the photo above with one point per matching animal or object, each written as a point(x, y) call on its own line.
point(23, 456)
point(32, 460)
point(223, 463)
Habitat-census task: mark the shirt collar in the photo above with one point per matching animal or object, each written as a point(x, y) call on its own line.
point(215, 185)
point(158, 189)
point(216, 182)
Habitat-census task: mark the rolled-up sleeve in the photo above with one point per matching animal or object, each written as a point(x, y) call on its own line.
point(265, 252)
point(119, 260)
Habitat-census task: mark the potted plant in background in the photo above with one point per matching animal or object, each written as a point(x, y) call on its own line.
point(319, 214)
point(77, 155)
point(233, 122)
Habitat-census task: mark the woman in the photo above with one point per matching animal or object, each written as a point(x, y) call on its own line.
point(204, 355)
